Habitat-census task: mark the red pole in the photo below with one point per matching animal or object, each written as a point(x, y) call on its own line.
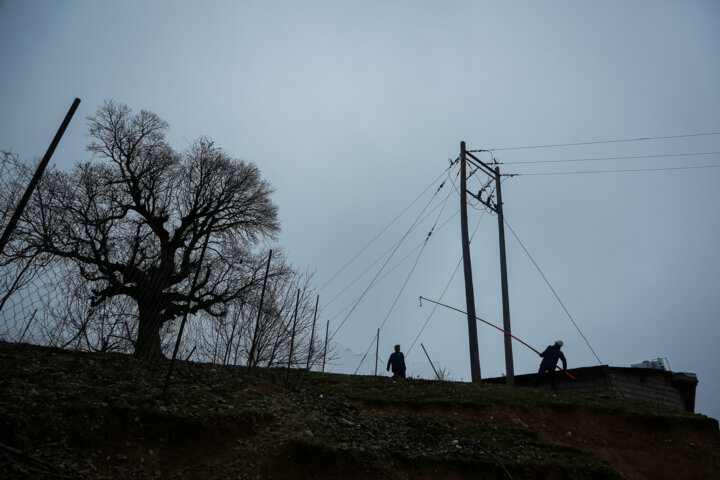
point(496, 327)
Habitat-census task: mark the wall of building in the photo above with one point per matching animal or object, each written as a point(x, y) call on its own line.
point(654, 386)
point(660, 387)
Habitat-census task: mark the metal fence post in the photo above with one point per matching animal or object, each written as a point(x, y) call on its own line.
point(38, 174)
point(292, 338)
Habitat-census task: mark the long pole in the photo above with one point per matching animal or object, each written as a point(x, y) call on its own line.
point(431, 363)
point(292, 337)
point(327, 330)
point(494, 326)
point(38, 174)
point(312, 333)
point(185, 315)
point(469, 294)
point(260, 307)
point(27, 327)
point(509, 367)
point(377, 350)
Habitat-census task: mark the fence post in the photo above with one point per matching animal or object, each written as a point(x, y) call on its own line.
point(27, 327)
point(377, 350)
point(38, 174)
point(312, 334)
point(292, 338)
point(191, 352)
point(185, 315)
point(327, 329)
point(257, 322)
point(431, 363)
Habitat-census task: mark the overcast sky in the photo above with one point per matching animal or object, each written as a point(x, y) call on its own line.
point(352, 110)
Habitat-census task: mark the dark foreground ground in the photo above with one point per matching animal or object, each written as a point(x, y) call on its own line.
point(77, 415)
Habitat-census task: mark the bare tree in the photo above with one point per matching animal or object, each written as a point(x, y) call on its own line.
point(444, 374)
point(134, 224)
point(286, 296)
point(229, 340)
point(68, 318)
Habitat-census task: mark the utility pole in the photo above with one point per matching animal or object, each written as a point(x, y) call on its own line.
point(509, 367)
point(467, 267)
point(497, 208)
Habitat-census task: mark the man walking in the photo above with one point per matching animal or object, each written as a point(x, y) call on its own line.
point(550, 357)
point(397, 362)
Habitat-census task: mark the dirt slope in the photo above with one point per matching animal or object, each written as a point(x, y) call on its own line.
point(77, 415)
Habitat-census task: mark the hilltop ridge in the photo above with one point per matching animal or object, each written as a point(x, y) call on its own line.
point(66, 414)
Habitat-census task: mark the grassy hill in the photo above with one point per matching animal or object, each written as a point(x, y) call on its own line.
point(67, 414)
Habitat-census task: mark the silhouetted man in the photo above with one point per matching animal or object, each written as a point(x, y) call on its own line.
point(397, 362)
point(550, 357)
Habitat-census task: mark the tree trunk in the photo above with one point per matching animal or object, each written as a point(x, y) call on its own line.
point(148, 345)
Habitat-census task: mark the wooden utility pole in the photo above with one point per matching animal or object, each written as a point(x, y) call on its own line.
point(509, 368)
point(497, 208)
point(469, 293)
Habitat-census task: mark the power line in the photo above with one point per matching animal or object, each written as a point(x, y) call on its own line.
point(616, 171)
point(388, 226)
point(597, 142)
point(553, 291)
point(612, 158)
point(407, 279)
point(432, 312)
point(417, 219)
point(358, 277)
point(394, 267)
point(484, 207)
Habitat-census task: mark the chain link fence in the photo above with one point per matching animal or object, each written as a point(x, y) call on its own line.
point(51, 294)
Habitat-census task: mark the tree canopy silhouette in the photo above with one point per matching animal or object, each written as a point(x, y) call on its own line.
point(134, 219)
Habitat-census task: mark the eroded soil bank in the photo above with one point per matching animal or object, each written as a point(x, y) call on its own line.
point(78, 415)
